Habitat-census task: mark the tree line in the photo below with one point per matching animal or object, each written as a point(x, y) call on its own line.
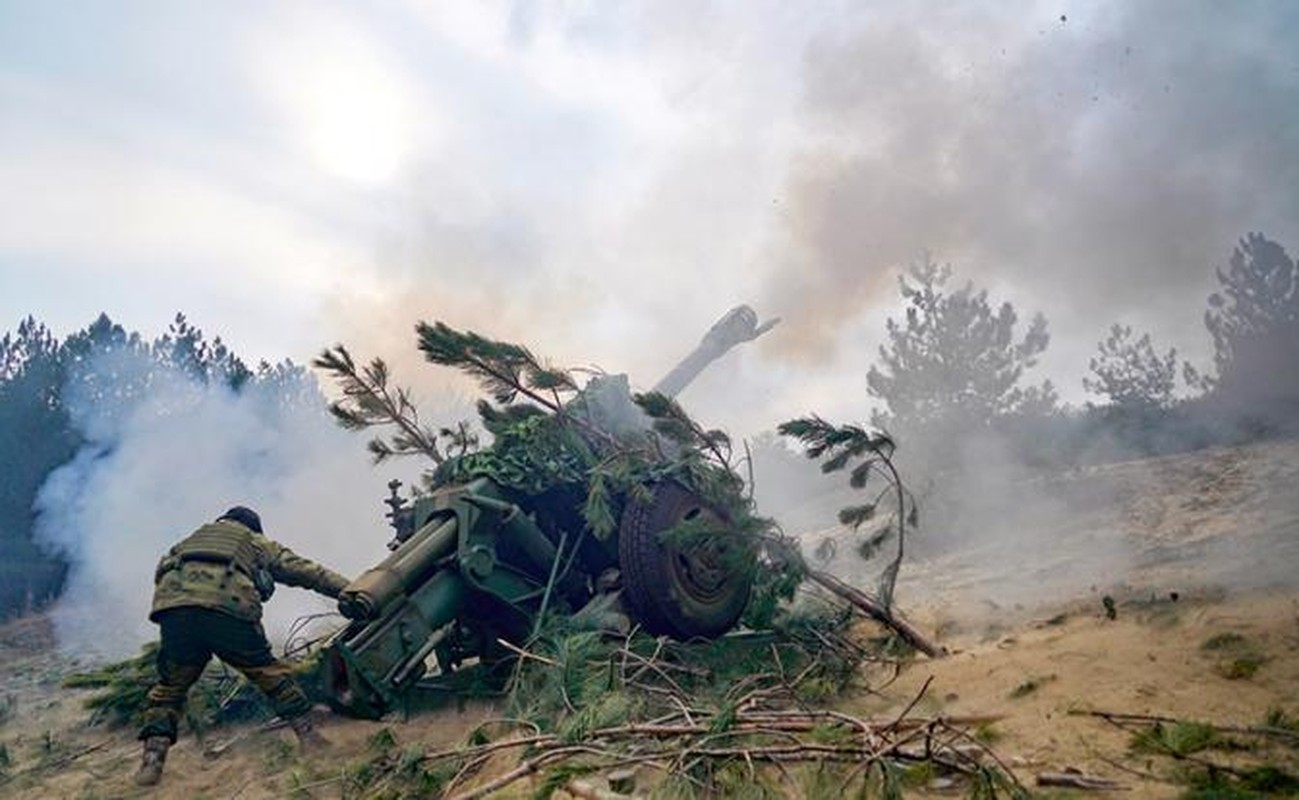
point(953, 384)
point(42, 380)
point(955, 366)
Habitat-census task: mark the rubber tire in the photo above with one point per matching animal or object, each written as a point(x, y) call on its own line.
point(656, 585)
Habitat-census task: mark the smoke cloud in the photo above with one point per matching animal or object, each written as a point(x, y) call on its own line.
point(1096, 163)
point(602, 180)
point(158, 464)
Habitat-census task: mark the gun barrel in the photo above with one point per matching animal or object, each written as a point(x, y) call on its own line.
point(405, 570)
point(736, 326)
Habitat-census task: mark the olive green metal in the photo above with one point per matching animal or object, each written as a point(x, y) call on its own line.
point(409, 606)
point(408, 566)
point(517, 524)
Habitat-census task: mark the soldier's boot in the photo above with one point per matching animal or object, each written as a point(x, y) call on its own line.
point(155, 754)
point(309, 738)
point(276, 682)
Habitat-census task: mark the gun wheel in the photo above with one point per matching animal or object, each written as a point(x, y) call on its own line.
point(681, 589)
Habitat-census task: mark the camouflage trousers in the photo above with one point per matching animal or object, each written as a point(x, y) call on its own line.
point(190, 637)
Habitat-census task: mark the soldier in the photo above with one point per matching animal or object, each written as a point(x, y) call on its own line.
point(208, 595)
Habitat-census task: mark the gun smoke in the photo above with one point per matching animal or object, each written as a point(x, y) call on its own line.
point(1095, 167)
point(157, 464)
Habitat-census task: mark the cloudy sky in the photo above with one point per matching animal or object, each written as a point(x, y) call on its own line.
point(602, 180)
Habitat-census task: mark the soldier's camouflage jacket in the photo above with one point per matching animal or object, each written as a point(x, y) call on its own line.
point(230, 568)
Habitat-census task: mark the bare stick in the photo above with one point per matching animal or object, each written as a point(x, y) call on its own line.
point(914, 701)
point(65, 760)
point(528, 767)
point(1255, 730)
point(877, 612)
point(521, 653)
point(1077, 780)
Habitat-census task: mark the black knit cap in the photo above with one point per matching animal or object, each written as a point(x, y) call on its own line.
point(244, 516)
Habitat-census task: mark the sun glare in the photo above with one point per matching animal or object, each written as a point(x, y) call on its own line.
point(356, 125)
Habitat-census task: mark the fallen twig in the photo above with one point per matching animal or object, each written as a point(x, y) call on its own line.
point(1078, 780)
point(521, 653)
point(913, 702)
point(528, 767)
point(219, 748)
point(1119, 717)
point(875, 611)
point(668, 744)
point(986, 750)
point(62, 761)
point(300, 789)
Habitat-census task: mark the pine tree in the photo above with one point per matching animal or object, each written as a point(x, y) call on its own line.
point(1130, 374)
point(954, 362)
point(35, 437)
point(1254, 321)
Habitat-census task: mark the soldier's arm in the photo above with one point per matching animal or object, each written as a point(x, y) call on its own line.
point(291, 569)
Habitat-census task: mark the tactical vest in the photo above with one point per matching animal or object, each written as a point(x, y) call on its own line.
point(225, 542)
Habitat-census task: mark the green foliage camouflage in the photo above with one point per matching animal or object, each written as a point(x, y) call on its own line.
point(749, 714)
point(369, 401)
point(586, 450)
point(578, 699)
point(584, 454)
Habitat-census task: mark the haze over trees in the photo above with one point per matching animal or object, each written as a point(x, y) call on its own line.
point(954, 386)
point(954, 361)
point(1254, 322)
point(112, 370)
point(1130, 374)
point(953, 366)
point(1253, 387)
point(955, 370)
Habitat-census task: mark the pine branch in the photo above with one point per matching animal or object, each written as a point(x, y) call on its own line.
point(840, 445)
point(671, 420)
point(368, 402)
point(505, 370)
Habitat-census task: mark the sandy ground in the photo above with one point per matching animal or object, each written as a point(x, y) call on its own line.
point(1028, 636)
point(1045, 677)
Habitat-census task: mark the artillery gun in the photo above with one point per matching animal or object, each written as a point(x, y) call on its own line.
point(477, 564)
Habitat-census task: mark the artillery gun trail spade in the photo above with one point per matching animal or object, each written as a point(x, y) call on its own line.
point(481, 561)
